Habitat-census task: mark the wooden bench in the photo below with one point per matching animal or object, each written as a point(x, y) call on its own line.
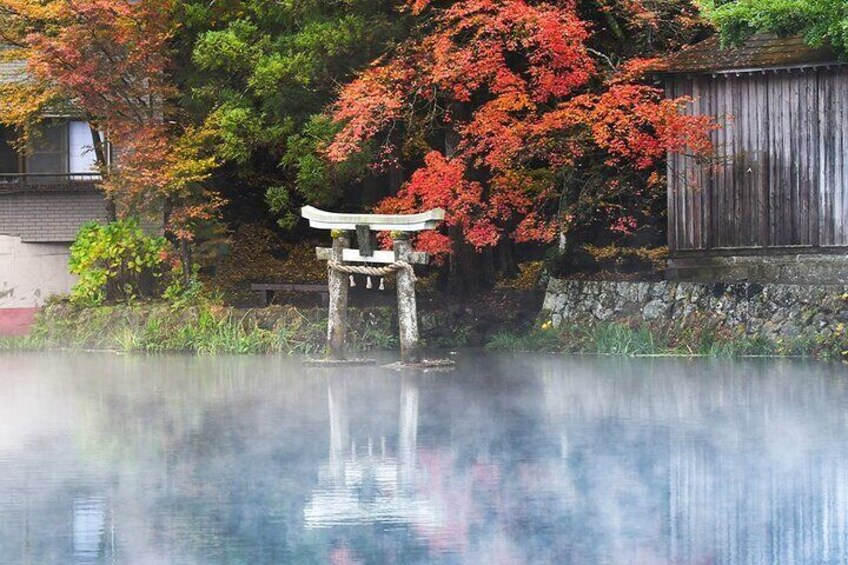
point(267, 290)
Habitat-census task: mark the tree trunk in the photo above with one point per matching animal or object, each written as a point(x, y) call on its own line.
point(488, 272)
point(185, 257)
point(467, 267)
point(397, 176)
point(505, 257)
point(102, 163)
point(99, 148)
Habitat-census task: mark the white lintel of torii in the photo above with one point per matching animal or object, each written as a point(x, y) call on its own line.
point(322, 220)
point(383, 257)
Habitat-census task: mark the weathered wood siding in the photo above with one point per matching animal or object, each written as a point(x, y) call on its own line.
point(780, 177)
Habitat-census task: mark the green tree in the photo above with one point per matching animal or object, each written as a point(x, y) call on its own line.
point(819, 21)
point(255, 75)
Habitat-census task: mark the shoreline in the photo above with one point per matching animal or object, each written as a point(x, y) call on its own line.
point(211, 329)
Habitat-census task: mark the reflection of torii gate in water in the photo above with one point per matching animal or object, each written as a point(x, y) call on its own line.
point(374, 486)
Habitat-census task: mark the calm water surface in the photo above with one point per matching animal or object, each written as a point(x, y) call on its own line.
point(510, 459)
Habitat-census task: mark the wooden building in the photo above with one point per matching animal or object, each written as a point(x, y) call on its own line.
point(773, 203)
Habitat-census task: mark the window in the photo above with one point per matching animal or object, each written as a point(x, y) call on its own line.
point(80, 149)
point(9, 158)
point(49, 152)
point(62, 147)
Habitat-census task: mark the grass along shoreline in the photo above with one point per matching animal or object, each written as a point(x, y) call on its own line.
point(208, 328)
point(203, 329)
point(679, 340)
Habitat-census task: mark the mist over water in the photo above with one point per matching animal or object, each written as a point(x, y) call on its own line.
point(510, 459)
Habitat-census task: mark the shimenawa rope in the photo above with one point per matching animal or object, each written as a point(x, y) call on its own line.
point(372, 271)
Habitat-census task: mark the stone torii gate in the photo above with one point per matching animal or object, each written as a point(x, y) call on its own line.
point(342, 261)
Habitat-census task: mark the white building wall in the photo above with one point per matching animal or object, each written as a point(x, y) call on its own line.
point(32, 272)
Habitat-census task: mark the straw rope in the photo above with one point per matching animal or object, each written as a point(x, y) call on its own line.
point(372, 271)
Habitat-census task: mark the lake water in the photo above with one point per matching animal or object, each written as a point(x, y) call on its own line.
point(510, 459)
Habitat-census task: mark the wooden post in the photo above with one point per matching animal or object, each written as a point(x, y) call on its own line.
point(407, 308)
point(337, 282)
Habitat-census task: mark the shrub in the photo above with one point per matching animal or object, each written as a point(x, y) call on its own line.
point(621, 339)
point(618, 259)
point(529, 274)
point(115, 261)
point(544, 339)
point(570, 261)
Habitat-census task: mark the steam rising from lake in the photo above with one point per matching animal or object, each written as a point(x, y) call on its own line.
point(510, 459)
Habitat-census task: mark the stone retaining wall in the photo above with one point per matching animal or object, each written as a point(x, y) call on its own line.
point(772, 310)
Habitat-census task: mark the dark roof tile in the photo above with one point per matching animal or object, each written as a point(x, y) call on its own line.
point(761, 51)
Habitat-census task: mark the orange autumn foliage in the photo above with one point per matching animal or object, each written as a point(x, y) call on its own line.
point(518, 86)
point(107, 62)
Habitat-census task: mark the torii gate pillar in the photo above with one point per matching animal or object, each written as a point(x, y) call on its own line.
point(410, 350)
point(338, 291)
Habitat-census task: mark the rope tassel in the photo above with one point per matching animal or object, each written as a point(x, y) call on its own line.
point(368, 283)
point(382, 283)
point(352, 282)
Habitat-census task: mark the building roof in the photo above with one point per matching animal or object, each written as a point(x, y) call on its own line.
point(760, 52)
point(11, 70)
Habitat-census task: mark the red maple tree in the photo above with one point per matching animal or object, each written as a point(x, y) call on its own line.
point(500, 98)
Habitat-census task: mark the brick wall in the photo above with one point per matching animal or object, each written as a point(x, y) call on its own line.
point(49, 216)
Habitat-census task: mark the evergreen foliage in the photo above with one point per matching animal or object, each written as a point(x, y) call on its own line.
point(819, 21)
point(256, 76)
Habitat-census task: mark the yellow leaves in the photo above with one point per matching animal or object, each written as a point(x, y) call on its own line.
point(45, 11)
point(19, 19)
point(23, 104)
point(107, 56)
point(186, 164)
point(14, 54)
point(526, 280)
